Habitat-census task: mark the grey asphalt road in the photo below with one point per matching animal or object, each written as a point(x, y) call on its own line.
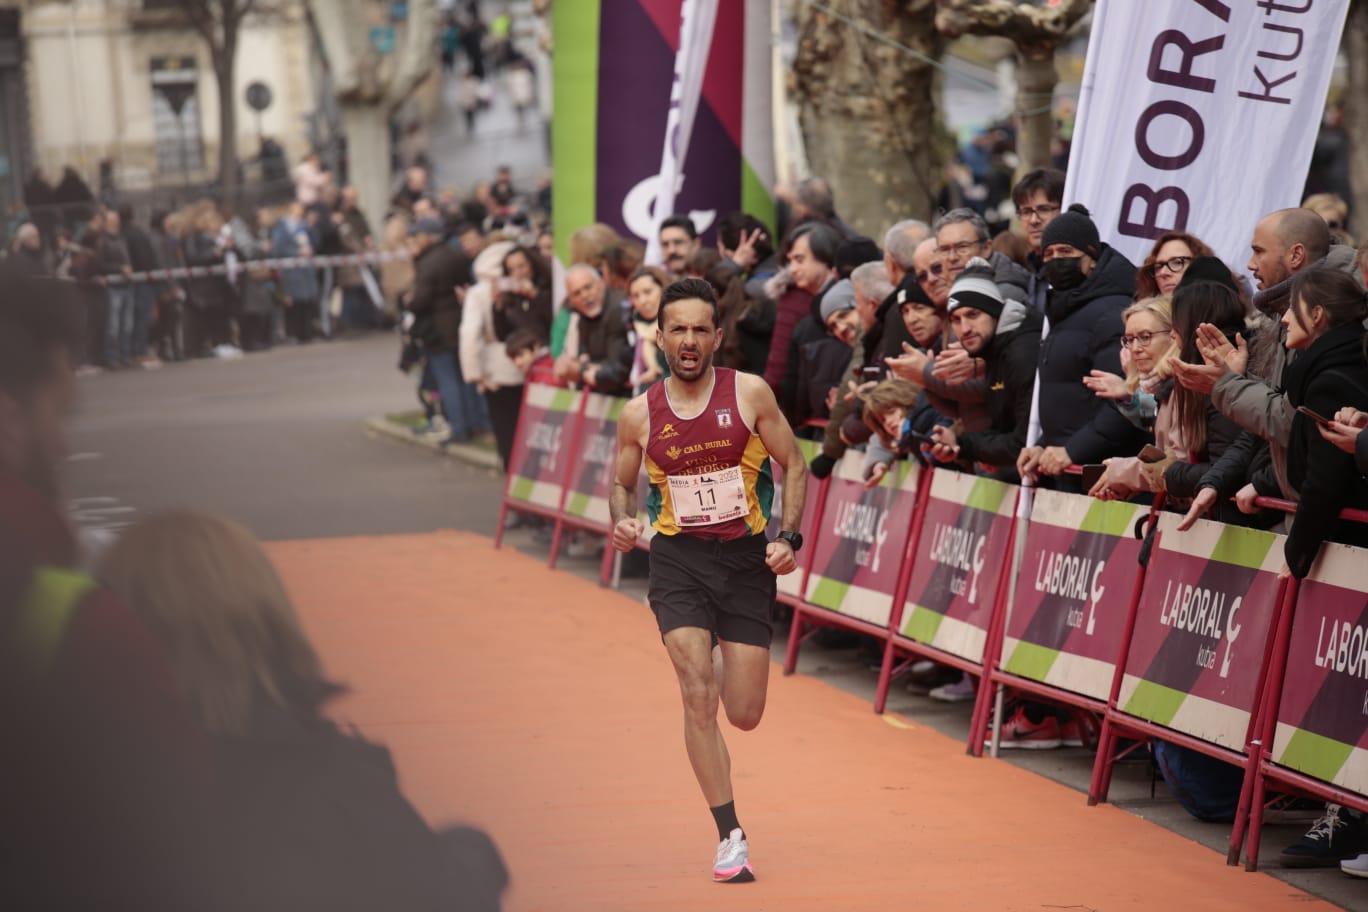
point(273, 440)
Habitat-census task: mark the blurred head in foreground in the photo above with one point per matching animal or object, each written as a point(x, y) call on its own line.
point(208, 592)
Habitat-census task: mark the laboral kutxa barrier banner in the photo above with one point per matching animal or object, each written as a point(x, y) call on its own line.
point(858, 551)
point(1072, 595)
point(661, 107)
point(541, 454)
point(594, 467)
point(1204, 616)
point(1323, 718)
point(961, 556)
point(790, 584)
point(1199, 115)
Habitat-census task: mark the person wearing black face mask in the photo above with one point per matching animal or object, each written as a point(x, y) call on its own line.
point(1091, 284)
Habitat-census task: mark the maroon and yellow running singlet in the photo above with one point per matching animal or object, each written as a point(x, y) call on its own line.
point(709, 475)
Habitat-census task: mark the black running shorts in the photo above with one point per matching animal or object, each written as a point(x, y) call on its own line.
point(722, 586)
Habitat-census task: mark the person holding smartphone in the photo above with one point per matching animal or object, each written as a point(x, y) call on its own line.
point(1325, 325)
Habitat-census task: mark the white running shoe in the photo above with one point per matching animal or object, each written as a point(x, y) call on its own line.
point(732, 864)
point(962, 691)
point(1355, 867)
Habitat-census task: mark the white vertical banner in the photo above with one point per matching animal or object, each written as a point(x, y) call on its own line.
point(1199, 115)
point(697, 18)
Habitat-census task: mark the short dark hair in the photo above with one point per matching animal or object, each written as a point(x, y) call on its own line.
point(733, 224)
point(823, 241)
point(521, 340)
point(38, 317)
point(681, 221)
point(686, 290)
point(1049, 181)
point(815, 193)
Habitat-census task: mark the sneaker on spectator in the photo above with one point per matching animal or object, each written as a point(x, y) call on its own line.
point(1020, 732)
point(962, 691)
point(925, 676)
point(732, 864)
point(1355, 867)
point(1339, 834)
point(1081, 729)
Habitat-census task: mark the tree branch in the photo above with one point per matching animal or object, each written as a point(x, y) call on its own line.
point(1033, 29)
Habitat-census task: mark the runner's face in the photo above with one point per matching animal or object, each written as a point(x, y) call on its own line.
point(689, 338)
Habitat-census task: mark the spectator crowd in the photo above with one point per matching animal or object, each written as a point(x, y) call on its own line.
point(1210, 383)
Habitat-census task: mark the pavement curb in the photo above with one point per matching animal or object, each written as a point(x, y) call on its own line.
point(474, 455)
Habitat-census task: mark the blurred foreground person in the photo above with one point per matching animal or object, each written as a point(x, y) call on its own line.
point(103, 800)
point(313, 817)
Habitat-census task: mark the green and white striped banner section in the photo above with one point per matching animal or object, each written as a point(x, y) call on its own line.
point(961, 556)
point(1078, 572)
point(1204, 617)
point(541, 462)
point(861, 539)
point(594, 466)
point(1323, 717)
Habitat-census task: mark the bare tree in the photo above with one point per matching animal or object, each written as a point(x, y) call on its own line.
point(218, 23)
point(1037, 31)
point(1356, 112)
point(370, 86)
point(868, 95)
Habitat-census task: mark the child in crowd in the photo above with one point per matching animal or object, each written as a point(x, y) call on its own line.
point(531, 356)
point(901, 421)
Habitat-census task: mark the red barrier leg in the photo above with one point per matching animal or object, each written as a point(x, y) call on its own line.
point(1101, 775)
point(885, 677)
point(997, 631)
point(795, 640)
point(1272, 701)
point(499, 530)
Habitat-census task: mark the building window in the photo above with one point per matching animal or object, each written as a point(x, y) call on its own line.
point(175, 116)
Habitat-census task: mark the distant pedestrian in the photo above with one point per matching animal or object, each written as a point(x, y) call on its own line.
point(470, 100)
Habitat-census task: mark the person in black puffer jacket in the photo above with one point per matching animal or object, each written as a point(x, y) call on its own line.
point(1325, 321)
point(1091, 285)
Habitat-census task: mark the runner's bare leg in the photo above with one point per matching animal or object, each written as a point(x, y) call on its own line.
point(690, 649)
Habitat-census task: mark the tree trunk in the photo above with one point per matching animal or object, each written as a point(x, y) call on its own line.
point(869, 112)
point(368, 158)
point(1036, 80)
point(228, 164)
point(1356, 114)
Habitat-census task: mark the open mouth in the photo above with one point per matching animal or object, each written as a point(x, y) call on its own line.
point(689, 359)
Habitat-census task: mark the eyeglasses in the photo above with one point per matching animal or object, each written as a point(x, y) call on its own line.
point(1031, 213)
point(1143, 339)
point(962, 249)
point(1176, 265)
point(934, 269)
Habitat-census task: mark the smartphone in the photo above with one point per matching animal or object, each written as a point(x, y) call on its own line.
point(1151, 453)
point(871, 374)
point(1319, 419)
point(1092, 474)
point(921, 439)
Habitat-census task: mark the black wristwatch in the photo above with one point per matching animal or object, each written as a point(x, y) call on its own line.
point(794, 539)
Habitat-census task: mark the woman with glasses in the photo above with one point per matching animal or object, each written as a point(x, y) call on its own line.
point(1188, 430)
point(1168, 259)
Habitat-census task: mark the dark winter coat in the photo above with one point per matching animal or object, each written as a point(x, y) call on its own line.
point(824, 362)
point(314, 819)
point(1326, 377)
point(437, 272)
point(604, 340)
point(1009, 361)
point(1085, 335)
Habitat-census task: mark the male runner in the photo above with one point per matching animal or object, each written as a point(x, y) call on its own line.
point(707, 434)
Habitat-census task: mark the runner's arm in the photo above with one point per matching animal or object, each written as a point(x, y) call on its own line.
point(777, 437)
point(622, 505)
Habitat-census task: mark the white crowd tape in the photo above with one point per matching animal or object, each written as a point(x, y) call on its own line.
point(239, 266)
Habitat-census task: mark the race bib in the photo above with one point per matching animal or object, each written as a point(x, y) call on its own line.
point(708, 499)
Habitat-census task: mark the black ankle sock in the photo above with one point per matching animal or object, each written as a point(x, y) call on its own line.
point(725, 815)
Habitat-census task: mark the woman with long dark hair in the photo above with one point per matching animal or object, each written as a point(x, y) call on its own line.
point(1325, 324)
